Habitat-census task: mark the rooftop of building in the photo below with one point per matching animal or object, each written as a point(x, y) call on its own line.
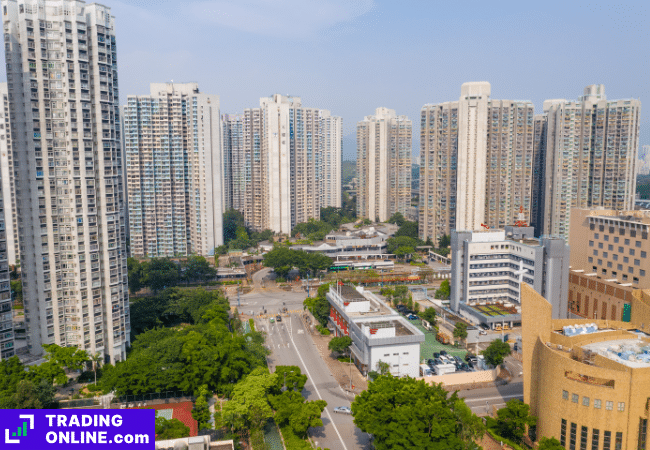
point(344, 295)
point(638, 216)
point(629, 352)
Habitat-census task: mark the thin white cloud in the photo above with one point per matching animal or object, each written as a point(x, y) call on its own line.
point(282, 18)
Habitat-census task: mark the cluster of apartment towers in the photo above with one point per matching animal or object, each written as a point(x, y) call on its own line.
point(80, 175)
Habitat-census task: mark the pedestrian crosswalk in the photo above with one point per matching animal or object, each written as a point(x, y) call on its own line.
point(268, 315)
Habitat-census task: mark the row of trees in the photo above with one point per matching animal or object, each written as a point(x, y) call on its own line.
point(161, 273)
point(207, 351)
point(319, 306)
point(283, 260)
point(262, 395)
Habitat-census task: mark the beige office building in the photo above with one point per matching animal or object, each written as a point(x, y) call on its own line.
point(65, 119)
point(384, 143)
point(612, 245)
point(590, 156)
point(174, 171)
point(476, 162)
point(285, 162)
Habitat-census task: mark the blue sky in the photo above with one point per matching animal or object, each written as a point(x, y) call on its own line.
point(352, 56)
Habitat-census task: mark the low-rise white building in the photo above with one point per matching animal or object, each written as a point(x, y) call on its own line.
point(379, 333)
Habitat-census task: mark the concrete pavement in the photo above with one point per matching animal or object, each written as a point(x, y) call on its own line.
point(481, 401)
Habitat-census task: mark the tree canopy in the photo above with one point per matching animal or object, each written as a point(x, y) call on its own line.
point(496, 352)
point(170, 429)
point(197, 268)
point(232, 220)
point(340, 344)
point(409, 229)
point(283, 259)
point(550, 444)
point(336, 216)
point(319, 306)
point(444, 291)
point(207, 352)
point(512, 421)
point(313, 229)
point(429, 315)
point(401, 241)
point(397, 218)
point(460, 330)
point(409, 414)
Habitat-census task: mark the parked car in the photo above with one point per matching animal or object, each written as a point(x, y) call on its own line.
point(278, 318)
point(343, 409)
point(443, 352)
point(436, 355)
point(458, 360)
point(271, 320)
point(431, 362)
point(485, 327)
point(401, 307)
point(437, 361)
point(412, 317)
point(482, 332)
point(465, 367)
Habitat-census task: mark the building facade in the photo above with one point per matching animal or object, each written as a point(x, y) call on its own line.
point(379, 334)
point(285, 161)
point(7, 173)
point(175, 171)
point(488, 268)
point(587, 381)
point(612, 244)
point(477, 161)
point(590, 156)
point(65, 126)
point(591, 297)
point(384, 143)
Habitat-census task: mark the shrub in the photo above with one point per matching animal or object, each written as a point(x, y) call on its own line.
point(293, 442)
point(322, 330)
point(251, 322)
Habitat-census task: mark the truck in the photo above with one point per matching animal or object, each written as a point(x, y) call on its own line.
point(425, 370)
point(442, 369)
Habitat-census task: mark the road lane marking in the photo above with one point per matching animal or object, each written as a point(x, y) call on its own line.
point(486, 399)
point(316, 389)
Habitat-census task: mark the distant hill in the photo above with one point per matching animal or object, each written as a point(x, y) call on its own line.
point(348, 171)
point(643, 186)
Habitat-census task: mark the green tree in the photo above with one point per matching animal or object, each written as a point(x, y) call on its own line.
point(549, 444)
point(460, 330)
point(403, 251)
point(68, 357)
point(201, 411)
point(397, 218)
point(160, 273)
point(292, 409)
point(221, 250)
point(340, 344)
point(17, 290)
point(170, 429)
point(444, 291)
point(429, 315)
point(317, 262)
point(197, 268)
point(444, 241)
point(134, 274)
point(248, 406)
point(281, 259)
point(289, 378)
point(401, 293)
point(319, 307)
point(232, 219)
point(394, 243)
point(383, 368)
point(408, 414)
point(496, 352)
point(512, 421)
point(409, 229)
point(26, 396)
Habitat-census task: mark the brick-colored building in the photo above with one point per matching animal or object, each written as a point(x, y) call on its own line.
point(612, 244)
point(594, 298)
point(588, 381)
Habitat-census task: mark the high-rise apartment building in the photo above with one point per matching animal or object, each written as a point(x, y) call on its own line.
point(8, 238)
point(65, 127)
point(384, 143)
point(175, 171)
point(476, 163)
point(7, 173)
point(285, 162)
point(590, 156)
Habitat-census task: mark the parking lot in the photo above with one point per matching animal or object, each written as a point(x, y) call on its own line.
point(431, 345)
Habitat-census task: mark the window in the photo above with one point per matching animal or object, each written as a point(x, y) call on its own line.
point(615, 239)
point(631, 252)
point(606, 237)
point(575, 398)
point(605, 254)
point(600, 245)
point(595, 439)
point(595, 252)
point(610, 247)
point(642, 272)
point(591, 259)
point(591, 243)
point(607, 440)
point(637, 262)
point(626, 259)
point(644, 254)
point(609, 264)
point(572, 436)
point(618, 444)
point(597, 403)
point(621, 249)
point(627, 242)
point(565, 395)
point(600, 262)
point(563, 433)
point(630, 270)
point(609, 405)
point(638, 244)
point(585, 401)
point(596, 235)
point(621, 406)
point(643, 433)
point(584, 434)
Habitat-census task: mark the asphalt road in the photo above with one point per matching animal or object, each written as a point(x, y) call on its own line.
point(481, 400)
point(290, 344)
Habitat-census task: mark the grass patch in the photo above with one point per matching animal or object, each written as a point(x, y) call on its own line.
point(257, 440)
point(293, 442)
point(251, 322)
